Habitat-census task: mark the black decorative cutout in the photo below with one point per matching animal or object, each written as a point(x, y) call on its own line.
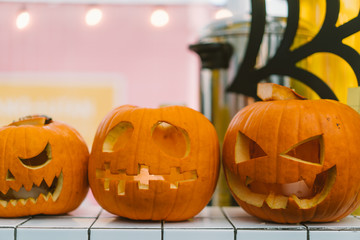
point(328, 39)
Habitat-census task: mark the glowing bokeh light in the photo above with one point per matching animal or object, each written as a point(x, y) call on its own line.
point(159, 18)
point(22, 20)
point(223, 13)
point(93, 16)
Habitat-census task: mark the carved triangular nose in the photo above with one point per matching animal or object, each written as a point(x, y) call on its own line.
point(10, 176)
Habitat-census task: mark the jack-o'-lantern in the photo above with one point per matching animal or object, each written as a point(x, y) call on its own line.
point(43, 167)
point(292, 160)
point(154, 164)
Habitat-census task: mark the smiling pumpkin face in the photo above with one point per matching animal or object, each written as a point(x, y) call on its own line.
point(293, 161)
point(154, 164)
point(43, 168)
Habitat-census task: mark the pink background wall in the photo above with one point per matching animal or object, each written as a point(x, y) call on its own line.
point(155, 62)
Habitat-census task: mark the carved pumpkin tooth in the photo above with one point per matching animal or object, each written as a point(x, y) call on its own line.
point(13, 202)
point(32, 200)
point(43, 196)
point(49, 181)
point(58, 173)
point(23, 201)
point(38, 183)
point(48, 196)
point(15, 187)
point(276, 201)
point(3, 203)
point(5, 190)
point(27, 187)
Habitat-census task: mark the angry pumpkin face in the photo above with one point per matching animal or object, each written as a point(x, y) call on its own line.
point(293, 161)
point(154, 163)
point(43, 168)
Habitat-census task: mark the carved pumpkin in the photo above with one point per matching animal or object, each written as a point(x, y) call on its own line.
point(43, 168)
point(154, 164)
point(293, 160)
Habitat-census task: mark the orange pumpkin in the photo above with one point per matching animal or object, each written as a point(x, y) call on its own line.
point(291, 160)
point(43, 168)
point(154, 164)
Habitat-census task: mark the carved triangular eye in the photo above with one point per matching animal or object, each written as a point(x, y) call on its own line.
point(246, 149)
point(310, 150)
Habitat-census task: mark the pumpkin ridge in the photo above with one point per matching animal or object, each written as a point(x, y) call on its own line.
point(81, 165)
point(190, 201)
point(320, 212)
point(175, 198)
point(340, 203)
point(278, 138)
point(258, 130)
point(181, 214)
point(4, 153)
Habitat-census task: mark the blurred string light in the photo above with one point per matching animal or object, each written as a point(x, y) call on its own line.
point(159, 18)
point(22, 19)
point(93, 16)
point(223, 13)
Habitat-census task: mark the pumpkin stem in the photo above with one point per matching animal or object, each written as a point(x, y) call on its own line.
point(272, 91)
point(36, 120)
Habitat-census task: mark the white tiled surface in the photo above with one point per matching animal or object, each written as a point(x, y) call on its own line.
point(347, 228)
point(90, 222)
point(111, 227)
point(250, 228)
point(209, 224)
point(8, 226)
point(55, 228)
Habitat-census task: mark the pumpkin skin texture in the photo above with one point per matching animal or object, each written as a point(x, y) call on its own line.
point(292, 161)
point(43, 168)
point(154, 164)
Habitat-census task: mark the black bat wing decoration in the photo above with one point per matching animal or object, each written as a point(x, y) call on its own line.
point(329, 39)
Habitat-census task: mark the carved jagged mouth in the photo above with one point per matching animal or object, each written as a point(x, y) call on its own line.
point(43, 190)
point(276, 196)
point(143, 178)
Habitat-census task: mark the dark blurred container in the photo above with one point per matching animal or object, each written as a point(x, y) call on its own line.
point(221, 48)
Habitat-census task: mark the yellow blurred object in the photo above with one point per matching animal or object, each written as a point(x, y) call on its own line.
point(80, 101)
point(332, 69)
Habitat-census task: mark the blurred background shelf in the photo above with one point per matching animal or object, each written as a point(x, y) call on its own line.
point(92, 222)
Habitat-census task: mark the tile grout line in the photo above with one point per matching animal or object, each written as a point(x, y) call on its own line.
point(16, 227)
point(89, 229)
point(227, 218)
point(307, 231)
point(162, 230)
